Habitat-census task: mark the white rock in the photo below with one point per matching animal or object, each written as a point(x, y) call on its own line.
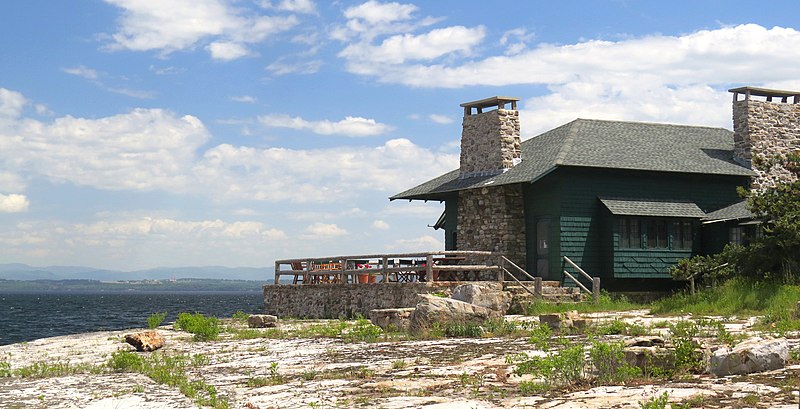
point(497, 300)
point(753, 355)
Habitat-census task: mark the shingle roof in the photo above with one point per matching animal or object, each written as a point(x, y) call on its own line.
point(605, 144)
point(659, 208)
point(735, 211)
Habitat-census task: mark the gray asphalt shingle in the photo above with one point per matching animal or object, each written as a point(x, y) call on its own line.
point(605, 144)
point(656, 208)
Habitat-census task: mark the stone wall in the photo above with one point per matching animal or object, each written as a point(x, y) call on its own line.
point(493, 219)
point(490, 142)
point(348, 300)
point(766, 129)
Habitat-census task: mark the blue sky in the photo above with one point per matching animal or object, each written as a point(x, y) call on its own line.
point(144, 133)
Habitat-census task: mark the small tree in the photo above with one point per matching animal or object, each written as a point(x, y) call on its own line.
point(776, 254)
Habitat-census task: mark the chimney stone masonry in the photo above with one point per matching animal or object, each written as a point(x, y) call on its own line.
point(490, 141)
point(764, 130)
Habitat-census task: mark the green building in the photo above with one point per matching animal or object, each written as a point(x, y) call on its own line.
point(623, 200)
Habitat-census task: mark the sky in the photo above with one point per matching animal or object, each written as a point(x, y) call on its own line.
point(149, 133)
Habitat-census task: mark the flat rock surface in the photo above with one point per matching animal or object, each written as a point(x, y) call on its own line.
point(334, 373)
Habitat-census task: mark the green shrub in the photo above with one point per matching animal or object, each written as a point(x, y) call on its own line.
point(609, 362)
point(363, 331)
point(155, 319)
point(656, 402)
point(5, 369)
point(540, 336)
point(561, 368)
point(687, 357)
point(458, 330)
point(203, 328)
point(126, 361)
point(170, 370)
point(240, 317)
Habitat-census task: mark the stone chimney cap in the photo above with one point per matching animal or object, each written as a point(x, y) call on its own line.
point(491, 102)
point(499, 102)
point(765, 92)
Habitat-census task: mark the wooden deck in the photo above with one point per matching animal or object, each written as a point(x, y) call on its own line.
point(387, 268)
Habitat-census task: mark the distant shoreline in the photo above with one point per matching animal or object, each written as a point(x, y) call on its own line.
point(179, 285)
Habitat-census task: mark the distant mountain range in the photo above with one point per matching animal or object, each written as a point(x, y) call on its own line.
point(17, 271)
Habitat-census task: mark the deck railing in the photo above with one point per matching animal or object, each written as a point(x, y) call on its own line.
point(595, 292)
point(367, 268)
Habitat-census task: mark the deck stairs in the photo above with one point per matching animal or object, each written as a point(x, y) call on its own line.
point(552, 291)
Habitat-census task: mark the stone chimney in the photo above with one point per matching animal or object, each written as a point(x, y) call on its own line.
point(766, 125)
point(490, 142)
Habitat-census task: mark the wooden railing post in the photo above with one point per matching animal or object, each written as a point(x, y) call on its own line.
point(385, 267)
point(537, 287)
point(596, 289)
point(277, 273)
point(429, 268)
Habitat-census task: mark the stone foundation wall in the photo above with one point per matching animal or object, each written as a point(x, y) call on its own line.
point(764, 130)
point(493, 219)
point(489, 142)
point(348, 300)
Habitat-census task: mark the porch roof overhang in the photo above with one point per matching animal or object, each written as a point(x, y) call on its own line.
point(652, 208)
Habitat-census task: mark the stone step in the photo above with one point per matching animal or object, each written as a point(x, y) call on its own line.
point(517, 289)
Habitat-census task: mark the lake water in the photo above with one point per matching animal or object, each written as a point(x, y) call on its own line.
point(29, 316)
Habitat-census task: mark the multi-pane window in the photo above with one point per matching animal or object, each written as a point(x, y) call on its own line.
point(654, 233)
point(682, 235)
point(657, 234)
point(629, 236)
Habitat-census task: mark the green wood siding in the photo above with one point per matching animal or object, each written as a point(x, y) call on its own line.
point(585, 231)
point(542, 202)
point(450, 223)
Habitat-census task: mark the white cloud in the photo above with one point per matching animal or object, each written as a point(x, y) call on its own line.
point(294, 6)
point(13, 203)
point(227, 50)
point(119, 240)
point(406, 47)
point(183, 24)
point(380, 224)
point(11, 104)
point(371, 19)
point(154, 149)
point(515, 40)
point(350, 126)
point(745, 53)
point(419, 244)
point(244, 98)
point(320, 176)
point(283, 67)
point(373, 12)
point(144, 149)
point(324, 230)
point(82, 71)
point(440, 119)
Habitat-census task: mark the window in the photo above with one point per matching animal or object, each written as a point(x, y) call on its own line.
point(736, 235)
point(682, 235)
point(629, 236)
point(657, 234)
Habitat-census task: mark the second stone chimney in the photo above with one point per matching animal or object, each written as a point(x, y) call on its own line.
point(490, 141)
point(766, 125)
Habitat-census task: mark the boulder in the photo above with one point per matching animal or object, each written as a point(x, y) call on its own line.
point(753, 355)
point(262, 321)
point(555, 321)
point(396, 319)
point(647, 358)
point(145, 341)
point(431, 309)
point(483, 296)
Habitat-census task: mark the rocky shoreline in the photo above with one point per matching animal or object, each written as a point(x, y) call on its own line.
point(323, 372)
